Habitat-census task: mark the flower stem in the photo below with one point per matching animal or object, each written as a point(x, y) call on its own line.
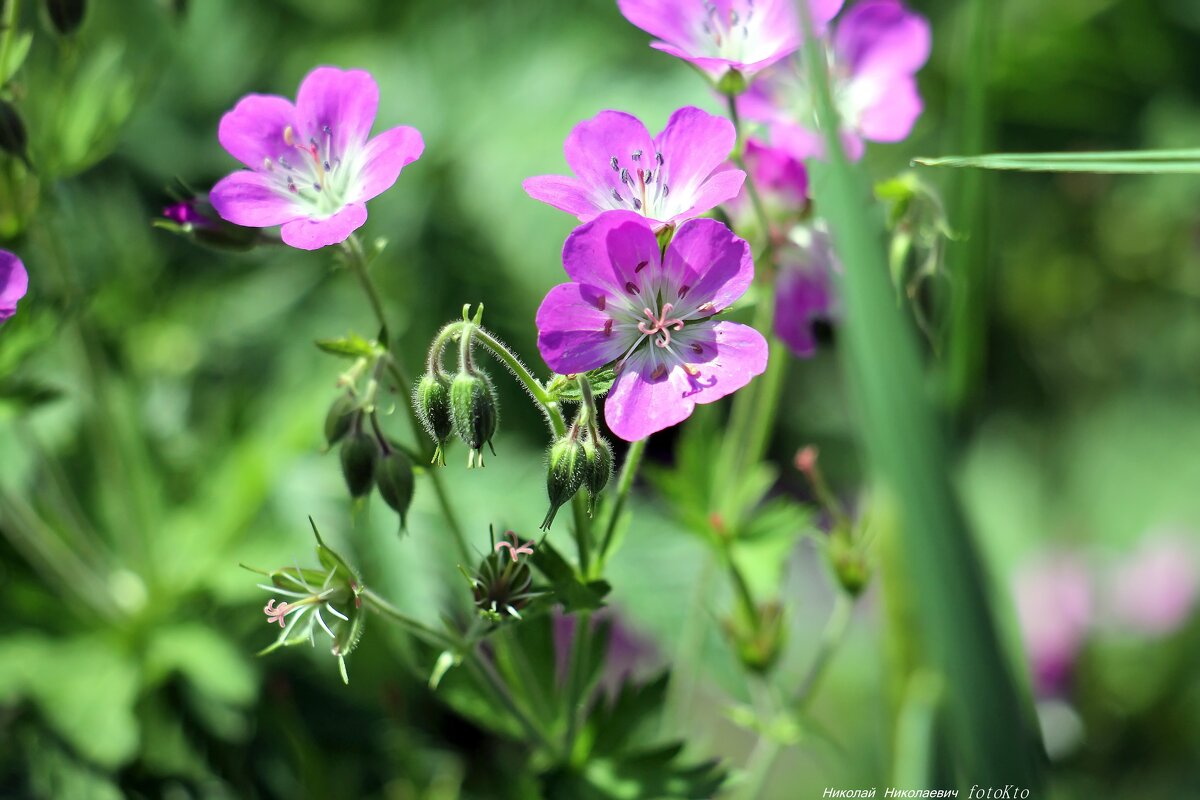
point(581, 644)
point(629, 470)
point(356, 260)
point(413, 626)
point(485, 673)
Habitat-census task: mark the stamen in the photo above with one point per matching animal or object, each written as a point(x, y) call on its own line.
point(637, 155)
point(661, 324)
point(658, 157)
point(637, 204)
point(625, 177)
point(601, 301)
point(641, 266)
point(683, 290)
point(615, 164)
point(608, 323)
point(659, 371)
point(617, 196)
point(696, 348)
point(631, 287)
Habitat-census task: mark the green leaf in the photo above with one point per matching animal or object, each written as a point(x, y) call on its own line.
point(566, 389)
point(26, 394)
point(210, 663)
point(1137, 162)
point(14, 57)
point(568, 589)
point(352, 346)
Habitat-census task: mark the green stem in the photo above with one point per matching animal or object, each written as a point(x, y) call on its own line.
point(356, 259)
point(412, 625)
point(831, 638)
point(629, 470)
point(483, 672)
point(581, 644)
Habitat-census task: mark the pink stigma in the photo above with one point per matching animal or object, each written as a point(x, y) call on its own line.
point(515, 548)
point(276, 613)
point(661, 324)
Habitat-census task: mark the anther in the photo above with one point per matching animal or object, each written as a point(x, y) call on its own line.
point(617, 196)
point(683, 290)
point(637, 204)
point(631, 287)
point(601, 302)
point(641, 266)
point(637, 155)
point(625, 176)
point(615, 164)
point(658, 157)
point(659, 371)
point(608, 323)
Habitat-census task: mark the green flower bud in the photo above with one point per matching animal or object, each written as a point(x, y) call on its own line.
point(394, 479)
point(598, 468)
point(66, 15)
point(849, 564)
point(732, 82)
point(360, 451)
point(566, 466)
point(431, 399)
point(474, 411)
point(339, 419)
point(758, 644)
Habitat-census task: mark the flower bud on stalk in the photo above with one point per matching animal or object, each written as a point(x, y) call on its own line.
point(359, 453)
point(66, 15)
point(339, 418)
point(394, 479)
point(758, 643)
point(431, 400)
point(598, 468)
point(474, 412)
point(565, 470)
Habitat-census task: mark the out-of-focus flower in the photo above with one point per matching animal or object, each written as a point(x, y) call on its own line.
point(652, 313)
point(720, 37)
point(196, 219)
point(677, 175)
point(1155, 590)
point(14, 282)
point(312, 166)
point(876, 49)
point(1055, 609)
point(805, 293)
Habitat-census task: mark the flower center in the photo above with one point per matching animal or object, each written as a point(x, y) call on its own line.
point(645, 189)
point(662, 324)
point(314, 174)
point(730, 35)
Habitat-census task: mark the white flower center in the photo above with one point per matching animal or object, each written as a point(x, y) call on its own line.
point(634, 186)
point(315, 175)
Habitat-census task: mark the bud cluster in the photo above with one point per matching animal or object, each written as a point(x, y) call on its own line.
point(368, 458)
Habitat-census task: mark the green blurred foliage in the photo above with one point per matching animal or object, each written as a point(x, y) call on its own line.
point(161, 405)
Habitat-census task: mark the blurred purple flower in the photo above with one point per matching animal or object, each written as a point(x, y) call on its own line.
point(876, 49)
point(805, 292)
point(717, 36)
point(14, 282)
point(653, 315)
point(312, 165)
point(186, 213)
point(671, 177)
point(1055, 610)
point(1155, 591)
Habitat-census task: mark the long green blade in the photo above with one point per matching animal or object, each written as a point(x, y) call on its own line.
point(1133, 162)
point(993, 736)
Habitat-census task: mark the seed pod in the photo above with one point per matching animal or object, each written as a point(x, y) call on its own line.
point(13, 138)
point(474, 411)
point(598, 467)
point(502, 587)
point(339, 419)
point(431, 400)
point(394, 479)
point(66, 15)
point(360, 451)
point(565, 469)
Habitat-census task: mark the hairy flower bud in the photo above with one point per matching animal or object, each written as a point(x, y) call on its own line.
point(394, 478)
point(474, 411)
point(566, 466)
point(502, 586)
point(339, 419)
point(360, 451)
point(598, 467)
point(431, 400)
point(66, 15)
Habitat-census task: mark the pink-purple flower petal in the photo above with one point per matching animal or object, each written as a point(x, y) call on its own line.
point(646, 399)
point(616, 252)
point(252, 132)
point(312, 234)
point(344, 101)
point(693, 145)
point(593, 144)
point(384, 157)
point(14, 283)
point(708, 266)
point(574, 334)
point(252, 199)
point(564, 193)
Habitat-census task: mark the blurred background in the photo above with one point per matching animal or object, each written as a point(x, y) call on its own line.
point(161, 405)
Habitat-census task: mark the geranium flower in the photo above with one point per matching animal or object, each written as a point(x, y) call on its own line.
point(876, 49)
point(718, 36)
point(312, 167)
point(652, 314)
point(1055, 609)
point(14, 282)
point(804, 292)
point(677, 175)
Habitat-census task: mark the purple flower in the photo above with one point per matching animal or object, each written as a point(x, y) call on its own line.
point(185, 213)
point(312, 167)
point(1155, 591)
point(14, 282)
point(717, 36)
point(653, 315)
point(1055, 611)
point(677, 175)
point(805, 291)
point(877, 47)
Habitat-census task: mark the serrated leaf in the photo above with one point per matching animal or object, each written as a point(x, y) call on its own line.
point(566, 389)
point(565, 585)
